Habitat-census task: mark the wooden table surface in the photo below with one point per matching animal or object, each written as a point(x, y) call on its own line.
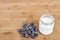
point(14, 12)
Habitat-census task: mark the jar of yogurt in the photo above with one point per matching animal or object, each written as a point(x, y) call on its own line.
point(46, 24)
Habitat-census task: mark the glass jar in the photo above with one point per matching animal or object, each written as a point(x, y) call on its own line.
point(46, 24)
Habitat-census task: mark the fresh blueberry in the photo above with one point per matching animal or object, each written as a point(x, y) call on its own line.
point(36, 34)
point(23, 29)
point(27, 29)
point(31, 23)
point(19, 30)
point(30, 27)
point(25, 24)
point(29, 32)
point(32, 36)
point(22, 34)
point(32, 32)
point(26, 35)
point(35, 29)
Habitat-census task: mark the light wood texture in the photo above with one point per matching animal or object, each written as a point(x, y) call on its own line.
point(14, 12)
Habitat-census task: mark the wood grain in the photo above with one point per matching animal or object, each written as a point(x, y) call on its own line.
point(14, 12)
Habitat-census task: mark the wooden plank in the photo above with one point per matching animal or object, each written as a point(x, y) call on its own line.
point(14, 13)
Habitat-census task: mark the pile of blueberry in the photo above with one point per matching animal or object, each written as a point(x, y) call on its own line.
point(28, 30)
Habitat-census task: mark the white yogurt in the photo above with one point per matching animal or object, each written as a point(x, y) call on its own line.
point(46, 24)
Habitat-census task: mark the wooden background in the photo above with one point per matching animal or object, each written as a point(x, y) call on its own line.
point(14, 12)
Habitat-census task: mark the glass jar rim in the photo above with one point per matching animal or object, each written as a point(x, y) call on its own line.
point(49, 16)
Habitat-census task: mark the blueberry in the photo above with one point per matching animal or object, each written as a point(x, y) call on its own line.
point(19, 30)
point(32, 36)
point(35, 29)
point(30, 27)
point(22, 34)
point(25, 24)
point(31, 23)
point(29, 32)
point(26, 35)
point(23, 29)
point(36, 34)
point(32, 32)
point(27, 29)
